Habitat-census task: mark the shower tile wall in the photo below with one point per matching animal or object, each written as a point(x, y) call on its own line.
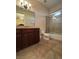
point(54, 25)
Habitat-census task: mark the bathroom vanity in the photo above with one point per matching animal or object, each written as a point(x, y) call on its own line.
point(26, 37)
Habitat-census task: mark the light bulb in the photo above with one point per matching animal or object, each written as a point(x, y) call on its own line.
point(21, 0)
point(29, 5)
point(26, 2)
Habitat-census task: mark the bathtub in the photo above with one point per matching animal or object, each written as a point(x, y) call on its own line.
point(47, 36)
point(56, 36)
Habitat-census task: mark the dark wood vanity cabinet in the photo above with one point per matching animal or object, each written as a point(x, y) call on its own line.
point(26, 37)
point(18, 40)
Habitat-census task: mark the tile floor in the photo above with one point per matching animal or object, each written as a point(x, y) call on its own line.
point(45, 49)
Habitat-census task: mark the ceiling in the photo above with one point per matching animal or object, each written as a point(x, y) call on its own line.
point(50, 3)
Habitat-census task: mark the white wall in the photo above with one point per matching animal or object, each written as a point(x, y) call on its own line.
point(40, 13)
point(41, 22)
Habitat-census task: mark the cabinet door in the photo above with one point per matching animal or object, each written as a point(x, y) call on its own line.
point(29, 37)
point(18, 40)
point(36, 36)
point(26, 37)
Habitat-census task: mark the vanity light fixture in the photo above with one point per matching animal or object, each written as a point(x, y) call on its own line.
point(25, 4)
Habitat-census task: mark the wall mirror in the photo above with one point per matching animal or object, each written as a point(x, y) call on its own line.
point(24, 16)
